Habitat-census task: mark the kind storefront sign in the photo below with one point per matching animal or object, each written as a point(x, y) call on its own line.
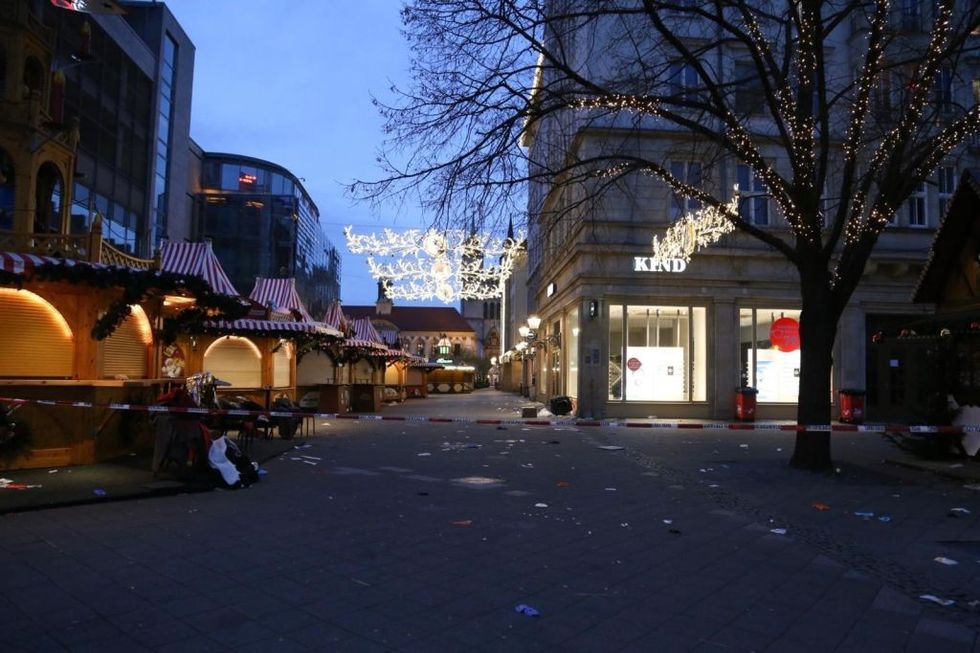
point(652, 264)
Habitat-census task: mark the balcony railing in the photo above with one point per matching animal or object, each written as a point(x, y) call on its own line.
point(83, 247)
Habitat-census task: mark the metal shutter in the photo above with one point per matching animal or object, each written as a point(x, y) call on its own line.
point(124, 352)
point(235, 360)
point(281, 360)
point(35, 339)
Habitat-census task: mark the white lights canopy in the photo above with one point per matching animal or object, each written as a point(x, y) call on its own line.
point(696, 230)
point(444, 265)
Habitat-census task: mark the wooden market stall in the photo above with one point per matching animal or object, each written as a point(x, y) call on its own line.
point(321, 371)
point(366, 354)
point(85, 331)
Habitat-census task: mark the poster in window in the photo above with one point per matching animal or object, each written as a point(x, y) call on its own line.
point(655, 374)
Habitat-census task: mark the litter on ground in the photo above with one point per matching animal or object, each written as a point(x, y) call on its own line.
point(936, 599)
point(945, 561)
point(526, 610)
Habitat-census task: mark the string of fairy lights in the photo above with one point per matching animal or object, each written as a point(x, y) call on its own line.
point(444, 265)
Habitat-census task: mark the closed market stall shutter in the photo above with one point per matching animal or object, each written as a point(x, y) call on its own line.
point(236, 360)
point(35, 339)
point(316, 367)
point(281, 361)
point(124, 352)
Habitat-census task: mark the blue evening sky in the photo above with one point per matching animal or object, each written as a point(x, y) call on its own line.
point(291, 82)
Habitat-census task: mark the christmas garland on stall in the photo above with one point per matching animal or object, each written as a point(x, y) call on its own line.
point(137, 286)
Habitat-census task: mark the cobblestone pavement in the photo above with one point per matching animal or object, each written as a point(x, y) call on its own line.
point(426, 536)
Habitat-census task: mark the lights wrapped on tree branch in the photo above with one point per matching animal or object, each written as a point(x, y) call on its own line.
point(447, 265)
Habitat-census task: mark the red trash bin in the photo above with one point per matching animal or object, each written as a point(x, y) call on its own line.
point(852, 406)
point(745, 404)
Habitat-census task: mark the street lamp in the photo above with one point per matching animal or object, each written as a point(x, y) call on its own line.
point(443, 346)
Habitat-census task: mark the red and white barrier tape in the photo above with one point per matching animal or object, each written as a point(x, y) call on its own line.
point(571, 421)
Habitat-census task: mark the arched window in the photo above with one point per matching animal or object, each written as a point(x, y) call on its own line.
point(33, 77)
point(50, 190)
point(8, 195)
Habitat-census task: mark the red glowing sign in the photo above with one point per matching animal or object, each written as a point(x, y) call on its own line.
point(784, 334)
point(246, 178)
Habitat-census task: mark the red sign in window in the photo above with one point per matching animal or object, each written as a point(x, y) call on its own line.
point(784, 334)
point(633, 364)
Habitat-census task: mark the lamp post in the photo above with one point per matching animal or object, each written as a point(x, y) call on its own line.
point(443, 346)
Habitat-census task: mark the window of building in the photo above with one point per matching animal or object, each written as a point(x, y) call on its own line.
point(684, 81)
point(917, 206)
point(657, 353)
point(910, 15)
point(749, 97)
point(570, 347)
point(420, 348)
point(7, 191)
point(688, 172)
point(770, 353)
point(753, 206)
point(944, 89)
point(945, 187)
point(159, 209)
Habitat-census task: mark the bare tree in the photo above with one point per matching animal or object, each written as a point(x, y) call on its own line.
point(839, 142)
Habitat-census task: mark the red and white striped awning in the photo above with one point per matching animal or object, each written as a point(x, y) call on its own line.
point(25, 263)
point(259, 326)
point(196, 259)
point(335, 316)
point(279, 295)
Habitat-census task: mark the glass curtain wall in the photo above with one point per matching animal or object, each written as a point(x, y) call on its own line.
point(657, 353)
point(770, 353)
point(167, 65)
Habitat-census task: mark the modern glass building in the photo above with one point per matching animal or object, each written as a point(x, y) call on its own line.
point(262, 223)
point(128, 80)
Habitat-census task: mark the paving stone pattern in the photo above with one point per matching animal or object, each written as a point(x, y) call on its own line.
point(414, 536)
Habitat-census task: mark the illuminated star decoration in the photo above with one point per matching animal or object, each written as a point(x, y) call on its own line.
point(696, 230)
point(443, 265)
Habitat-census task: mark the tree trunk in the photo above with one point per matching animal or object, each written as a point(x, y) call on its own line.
point(818, 330)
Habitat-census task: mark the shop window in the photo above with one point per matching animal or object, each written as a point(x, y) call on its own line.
point(657, 353)
point(236, 360)
point(570, 346)
point(35, 341)
point(770, 353)
point(615, 352)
